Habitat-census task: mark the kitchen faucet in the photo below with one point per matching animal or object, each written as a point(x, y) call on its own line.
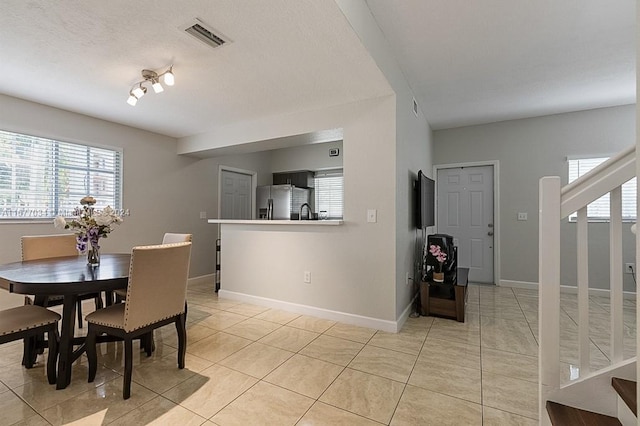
point(308, 211)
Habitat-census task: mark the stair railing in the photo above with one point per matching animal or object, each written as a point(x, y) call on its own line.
point(557, 203)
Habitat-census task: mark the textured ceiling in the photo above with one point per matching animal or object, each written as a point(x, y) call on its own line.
point(468, 62)
point(84, 55)
point(473, 62)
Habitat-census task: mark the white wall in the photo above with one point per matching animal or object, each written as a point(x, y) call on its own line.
point(353, 265)
point(414, 150)
point(527, 150)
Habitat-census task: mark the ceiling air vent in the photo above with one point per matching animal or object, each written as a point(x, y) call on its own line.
point(199, 30)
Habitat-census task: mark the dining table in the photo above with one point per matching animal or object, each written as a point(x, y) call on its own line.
point(67, 277)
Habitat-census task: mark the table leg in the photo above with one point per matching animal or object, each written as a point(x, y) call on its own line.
point(65, 358)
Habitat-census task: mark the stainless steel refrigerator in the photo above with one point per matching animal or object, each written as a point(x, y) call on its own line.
point(279, 202)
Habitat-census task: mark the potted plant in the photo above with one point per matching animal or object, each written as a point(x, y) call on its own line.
point(441, 257)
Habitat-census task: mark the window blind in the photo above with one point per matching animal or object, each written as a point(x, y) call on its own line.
point(329, 193)
point(41, 178)
point(599, 209)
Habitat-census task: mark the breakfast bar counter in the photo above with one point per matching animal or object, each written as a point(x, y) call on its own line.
point(276, 222)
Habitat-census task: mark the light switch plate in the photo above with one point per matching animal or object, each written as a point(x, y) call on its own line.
point(372, 215)
point(522, 216)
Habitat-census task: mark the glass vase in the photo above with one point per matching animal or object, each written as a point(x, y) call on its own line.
point(93, 257)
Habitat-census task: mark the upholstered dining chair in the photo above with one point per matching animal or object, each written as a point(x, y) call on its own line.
point(30, 321)
point(168, 238)
point(156, 295)
point(49, 246)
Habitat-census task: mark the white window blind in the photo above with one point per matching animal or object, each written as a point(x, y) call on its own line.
point(329, 193)
point(599, 209)
point(41, 178)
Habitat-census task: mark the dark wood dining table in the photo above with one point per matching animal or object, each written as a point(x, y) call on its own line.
point(68, 277)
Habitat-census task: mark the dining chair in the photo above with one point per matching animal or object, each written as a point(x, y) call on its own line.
point(168, 238)
point(49, 246)
point(156, 294)
point(30, 321)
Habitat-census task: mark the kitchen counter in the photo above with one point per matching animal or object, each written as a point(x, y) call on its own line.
point(276, 222)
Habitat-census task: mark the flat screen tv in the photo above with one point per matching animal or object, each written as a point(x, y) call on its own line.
point(425, 201)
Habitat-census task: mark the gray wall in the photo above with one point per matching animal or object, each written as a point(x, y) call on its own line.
point(307, 157)
point(164, 192)
point(527, 150)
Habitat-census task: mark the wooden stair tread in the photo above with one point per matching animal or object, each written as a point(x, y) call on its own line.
point(563, 415)
point(627, 391)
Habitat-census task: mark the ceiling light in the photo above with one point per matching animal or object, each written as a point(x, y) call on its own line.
point(157, 87)
point(153, 78)
point(169, 78)
point(132, 100)
point(139, 91)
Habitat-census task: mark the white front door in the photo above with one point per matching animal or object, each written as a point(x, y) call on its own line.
point(235, 202)
point(465, 211)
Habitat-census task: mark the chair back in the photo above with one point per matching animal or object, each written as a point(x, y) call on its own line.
point(157, 284)
point(47, 246)
point(176, 238)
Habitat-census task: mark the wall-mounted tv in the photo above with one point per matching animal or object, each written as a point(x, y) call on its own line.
point(425, 201)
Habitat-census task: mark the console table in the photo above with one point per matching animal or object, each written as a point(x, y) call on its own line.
point(445, 299)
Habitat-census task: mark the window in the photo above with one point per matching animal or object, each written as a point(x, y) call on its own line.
point(599, 209)
point(329, 192)
point(41, 178)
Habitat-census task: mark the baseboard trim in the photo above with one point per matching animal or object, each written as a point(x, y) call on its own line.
point(519, 284)
point(203, 279)
point(408, 310)
point(358, 320)
point(565, 289)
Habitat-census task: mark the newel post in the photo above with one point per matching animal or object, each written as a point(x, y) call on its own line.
point(548, 290)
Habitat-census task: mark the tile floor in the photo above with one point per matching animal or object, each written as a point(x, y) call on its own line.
point(250, 365)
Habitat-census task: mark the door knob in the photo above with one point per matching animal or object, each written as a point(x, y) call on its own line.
point(490, 233)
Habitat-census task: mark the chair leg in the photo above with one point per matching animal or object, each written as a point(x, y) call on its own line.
point(52, 337)
point(30, 351)
point(79, 312)
point(98, 301)
point(92, 355)
point(182, 339)
point(147, 343)
point(128, 367)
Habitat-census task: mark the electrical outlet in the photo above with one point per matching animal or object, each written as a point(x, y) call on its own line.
point(307, 277)
point(372, 215)
point(629, 268)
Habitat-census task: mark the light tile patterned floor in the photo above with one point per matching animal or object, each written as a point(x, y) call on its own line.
point(250, 365)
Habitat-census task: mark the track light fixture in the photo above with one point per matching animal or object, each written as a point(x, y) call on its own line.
point(138, 90)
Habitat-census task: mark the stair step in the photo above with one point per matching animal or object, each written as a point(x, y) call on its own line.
point(627, 391)
point(563, 415)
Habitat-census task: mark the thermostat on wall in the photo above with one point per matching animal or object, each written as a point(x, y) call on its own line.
point(334, 152)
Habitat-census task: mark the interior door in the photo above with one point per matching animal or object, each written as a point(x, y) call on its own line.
point(465, 211)
point(235, 202)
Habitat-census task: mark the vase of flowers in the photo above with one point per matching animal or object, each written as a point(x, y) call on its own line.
point(441, 257)
point(89, 226)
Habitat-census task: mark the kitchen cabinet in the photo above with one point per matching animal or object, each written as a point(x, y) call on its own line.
point(301, 179)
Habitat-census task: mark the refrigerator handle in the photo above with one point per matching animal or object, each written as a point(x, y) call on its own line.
point(270, 209)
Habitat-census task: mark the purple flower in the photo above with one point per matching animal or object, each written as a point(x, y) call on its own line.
point(81, 243)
